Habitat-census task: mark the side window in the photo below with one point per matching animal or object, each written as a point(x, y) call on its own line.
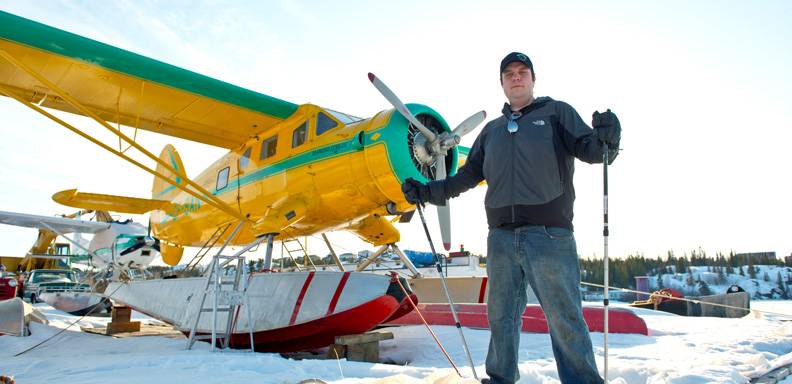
point(300, 135)
point(324, 123)
point(268, 147)
point(222, 178)
point(245, 159)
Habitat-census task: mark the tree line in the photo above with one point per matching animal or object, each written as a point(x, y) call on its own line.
point(622, 271)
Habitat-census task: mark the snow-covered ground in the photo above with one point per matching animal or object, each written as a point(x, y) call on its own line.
point(677, 350)
point(770, 281)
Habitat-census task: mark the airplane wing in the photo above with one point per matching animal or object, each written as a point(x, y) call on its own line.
point(99, 202)
point(123, 87)
point(59, 224)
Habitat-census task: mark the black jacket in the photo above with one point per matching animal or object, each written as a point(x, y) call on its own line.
point(529, 172)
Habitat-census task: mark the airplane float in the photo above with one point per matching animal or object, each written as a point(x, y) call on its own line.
point(291, 170)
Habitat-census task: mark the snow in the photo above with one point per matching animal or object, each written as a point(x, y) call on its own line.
point(758, 287)
point(678, 349)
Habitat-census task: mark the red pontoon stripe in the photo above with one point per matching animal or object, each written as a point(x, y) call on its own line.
point(337, 294)
point(300, 298)
point(483, 289)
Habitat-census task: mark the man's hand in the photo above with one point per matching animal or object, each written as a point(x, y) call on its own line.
point(607, 127)
point(415, 191)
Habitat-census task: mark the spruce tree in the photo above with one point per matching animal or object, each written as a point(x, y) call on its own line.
point(704, 288)
point(721, 276)
point(781, 286)
point(751, 270)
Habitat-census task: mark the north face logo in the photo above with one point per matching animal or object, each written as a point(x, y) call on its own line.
point(538, 122)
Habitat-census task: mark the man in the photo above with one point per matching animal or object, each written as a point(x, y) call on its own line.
point(527, 158)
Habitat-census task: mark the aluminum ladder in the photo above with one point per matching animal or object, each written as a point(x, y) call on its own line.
point(228, 293)
point(299, 251)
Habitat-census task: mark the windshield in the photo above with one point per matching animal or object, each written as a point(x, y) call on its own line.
point(53, 277)
point(343, 117)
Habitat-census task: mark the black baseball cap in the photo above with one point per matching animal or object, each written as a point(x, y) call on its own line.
point(516, 57)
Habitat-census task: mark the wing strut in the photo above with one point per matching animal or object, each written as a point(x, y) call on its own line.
point(201, 193)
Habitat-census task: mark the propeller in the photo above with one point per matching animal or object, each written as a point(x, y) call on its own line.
point(140, 242)
point(436, 145)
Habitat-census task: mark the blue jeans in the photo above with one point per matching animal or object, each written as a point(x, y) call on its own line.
point(546, 258)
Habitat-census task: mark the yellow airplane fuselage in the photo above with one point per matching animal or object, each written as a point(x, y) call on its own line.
point(342, 179)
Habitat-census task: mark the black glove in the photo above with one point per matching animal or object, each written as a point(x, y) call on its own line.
point(417, 192)
point(607, 127)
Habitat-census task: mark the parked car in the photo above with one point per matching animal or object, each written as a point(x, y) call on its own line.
point(8, 285)
point(50, 279)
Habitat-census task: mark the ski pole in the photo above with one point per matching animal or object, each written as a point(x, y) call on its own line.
point(605, 234)
point(445, 288)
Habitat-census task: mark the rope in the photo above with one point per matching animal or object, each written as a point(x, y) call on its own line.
point(104, 299)
point(338, 360)
point(428, 328)
point(687, 300)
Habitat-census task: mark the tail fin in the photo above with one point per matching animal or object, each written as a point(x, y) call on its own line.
point(162, 190)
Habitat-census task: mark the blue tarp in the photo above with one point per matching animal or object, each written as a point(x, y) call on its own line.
point(420, 259)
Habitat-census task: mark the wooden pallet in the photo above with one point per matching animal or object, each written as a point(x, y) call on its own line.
point(360, 347)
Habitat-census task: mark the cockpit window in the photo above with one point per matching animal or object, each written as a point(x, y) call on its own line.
point(324, 123)
point(343, 117)
point(300, 135)
point(245, 159)
point(268, 147)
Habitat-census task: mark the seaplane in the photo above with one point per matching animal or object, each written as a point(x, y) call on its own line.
point(115, 248)
point(115, 244)
point(290, 170)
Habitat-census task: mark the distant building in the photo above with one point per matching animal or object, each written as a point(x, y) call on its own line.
point(788, 259)
point(755, 257)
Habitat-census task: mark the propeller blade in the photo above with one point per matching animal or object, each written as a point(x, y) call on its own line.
point(470, 123)
point(394, 100)
point(443, 211)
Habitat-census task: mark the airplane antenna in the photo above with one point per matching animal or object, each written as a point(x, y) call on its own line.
point(439, 267)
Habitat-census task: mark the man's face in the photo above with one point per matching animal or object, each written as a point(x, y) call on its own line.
point(517, 82)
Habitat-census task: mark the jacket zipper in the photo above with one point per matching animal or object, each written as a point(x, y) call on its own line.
point(513, 161)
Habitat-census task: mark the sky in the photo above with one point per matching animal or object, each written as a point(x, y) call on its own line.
point(702, 91)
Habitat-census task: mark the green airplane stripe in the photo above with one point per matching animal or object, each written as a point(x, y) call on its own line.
point(307, 158)
point(36, 35)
